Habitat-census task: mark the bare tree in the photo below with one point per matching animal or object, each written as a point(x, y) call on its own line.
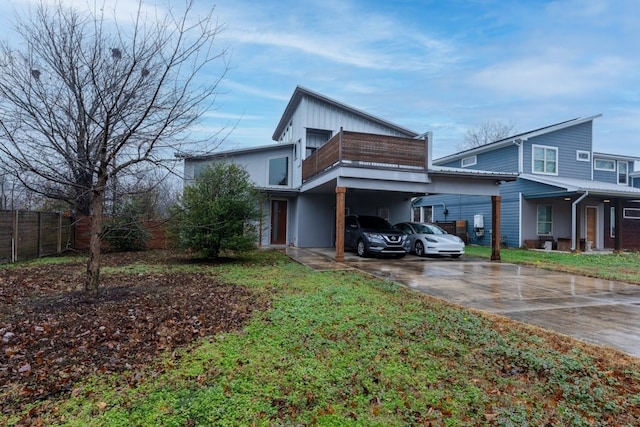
point(487, 132)
point(87, 98)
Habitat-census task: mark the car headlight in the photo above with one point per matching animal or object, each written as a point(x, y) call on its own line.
point(373, 236)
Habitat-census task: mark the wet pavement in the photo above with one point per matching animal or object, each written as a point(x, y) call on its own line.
point(597, 311)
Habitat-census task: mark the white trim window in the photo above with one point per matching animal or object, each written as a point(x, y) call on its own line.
point(612, 222)
point(583, 156)
point(631, 213)
point(604, 165)
point(545, 220)
point(545, 160)
point(623, 172)
point(469, 161)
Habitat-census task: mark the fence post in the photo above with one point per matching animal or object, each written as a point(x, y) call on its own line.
point(14, 237)
point(59, 236)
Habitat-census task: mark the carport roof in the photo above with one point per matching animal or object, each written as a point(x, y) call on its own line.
point(464, 172)
point(598, 188)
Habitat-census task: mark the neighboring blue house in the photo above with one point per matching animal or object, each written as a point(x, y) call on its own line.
point(566, 196)
point(331, 159)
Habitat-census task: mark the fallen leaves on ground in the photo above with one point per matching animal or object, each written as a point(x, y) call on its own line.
point(52, 334)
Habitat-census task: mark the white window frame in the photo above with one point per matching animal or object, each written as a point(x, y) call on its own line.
point(550, 233)
point(600, 159)
point(626, 173)
point(626, 213)
point(469, 161)
point(612, 222)
point(533, 159)
point(586, 156)
point(288, 184)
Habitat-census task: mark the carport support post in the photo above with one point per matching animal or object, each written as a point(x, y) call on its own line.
point(340, 202)
point(495, 227)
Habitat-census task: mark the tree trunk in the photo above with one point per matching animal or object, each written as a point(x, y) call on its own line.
point(92, 281)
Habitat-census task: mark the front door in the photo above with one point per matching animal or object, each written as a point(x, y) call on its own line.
point(278, 222)
point(592, 223)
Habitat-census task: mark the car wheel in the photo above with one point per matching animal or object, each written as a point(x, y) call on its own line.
point(419, 248)
point(361, 248)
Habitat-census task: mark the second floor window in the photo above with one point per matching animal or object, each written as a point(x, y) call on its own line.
point(623, 173)
point(604, 165)
point(545, 160)
point(469, 161)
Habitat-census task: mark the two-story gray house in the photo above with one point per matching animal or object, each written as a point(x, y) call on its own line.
point(330, 159)
point(567, 196)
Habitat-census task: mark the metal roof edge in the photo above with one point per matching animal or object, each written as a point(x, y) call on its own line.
point(301, 91)
point(226, 153)
point(511, 139)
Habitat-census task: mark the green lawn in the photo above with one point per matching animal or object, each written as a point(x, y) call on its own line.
point(344, 349)
point(624, 266)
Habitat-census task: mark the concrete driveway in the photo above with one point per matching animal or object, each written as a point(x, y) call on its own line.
point(602, 312)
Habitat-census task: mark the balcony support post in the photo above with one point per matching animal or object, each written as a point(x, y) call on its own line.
point(340, 207)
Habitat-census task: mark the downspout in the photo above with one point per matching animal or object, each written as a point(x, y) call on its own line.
point(574, 210)
point(519, 143)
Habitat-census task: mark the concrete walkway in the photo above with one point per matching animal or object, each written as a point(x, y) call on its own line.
point(597, 311)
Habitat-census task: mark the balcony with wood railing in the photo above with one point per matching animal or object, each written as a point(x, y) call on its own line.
point(366, 150)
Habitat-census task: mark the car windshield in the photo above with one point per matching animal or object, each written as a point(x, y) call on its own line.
point(428, 229)
point(373, 222)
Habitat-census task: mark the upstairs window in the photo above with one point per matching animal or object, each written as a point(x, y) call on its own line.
point(623, 173)
point(469, 161)
point(604, 165)
point(279, 171)
point(545, 160)
point(583, 156)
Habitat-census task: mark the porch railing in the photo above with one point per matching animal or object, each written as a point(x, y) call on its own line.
point(366, 150)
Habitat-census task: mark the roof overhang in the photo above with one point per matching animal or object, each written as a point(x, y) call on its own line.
point(568, 187)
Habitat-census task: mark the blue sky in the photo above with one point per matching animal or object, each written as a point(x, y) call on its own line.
point(443, 66)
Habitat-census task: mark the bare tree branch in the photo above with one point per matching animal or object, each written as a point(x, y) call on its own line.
point(487, 132)
point(87, 99)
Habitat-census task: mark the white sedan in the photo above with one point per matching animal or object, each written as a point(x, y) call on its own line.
point(429, 239)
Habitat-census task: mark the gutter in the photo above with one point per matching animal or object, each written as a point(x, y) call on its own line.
point(574, 209)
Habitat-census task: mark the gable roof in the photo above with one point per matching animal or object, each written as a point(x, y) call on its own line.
point(300, 92)
point(573, 185)
point(512, 139)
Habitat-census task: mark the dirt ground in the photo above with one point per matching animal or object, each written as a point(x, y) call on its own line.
point(52, 335)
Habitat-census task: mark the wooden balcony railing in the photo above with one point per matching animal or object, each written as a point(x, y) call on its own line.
point(367, 150)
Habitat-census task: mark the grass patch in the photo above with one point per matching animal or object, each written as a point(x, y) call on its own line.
point(611, 266)
point(344, 349)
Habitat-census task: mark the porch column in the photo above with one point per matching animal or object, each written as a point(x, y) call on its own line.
point(495, 227)
point(617, 238)
point(340, 198)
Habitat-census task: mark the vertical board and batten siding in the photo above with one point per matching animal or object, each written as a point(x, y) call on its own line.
point(322, 115)
point(256, 163)
point(568, 141)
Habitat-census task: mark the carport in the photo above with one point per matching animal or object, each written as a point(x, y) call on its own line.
point(380, 175)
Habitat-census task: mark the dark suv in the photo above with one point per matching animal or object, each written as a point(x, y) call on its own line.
point(374, 235)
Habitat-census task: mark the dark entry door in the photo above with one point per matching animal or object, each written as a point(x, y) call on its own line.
point(278, 222)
